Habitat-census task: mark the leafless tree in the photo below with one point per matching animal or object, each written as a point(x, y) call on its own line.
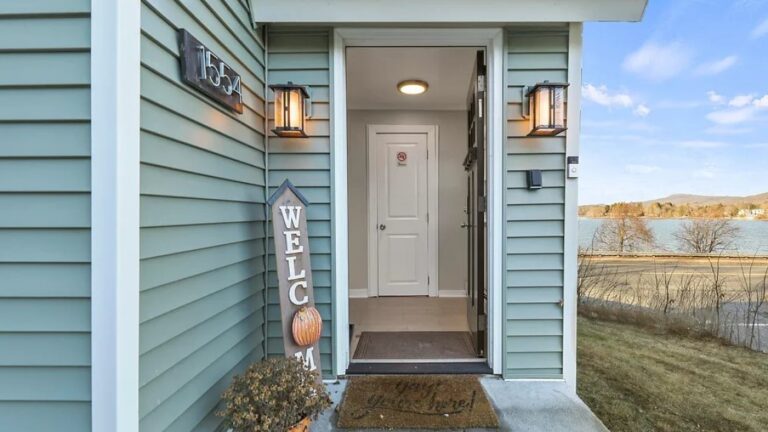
point(706, 235)
point(624, 232)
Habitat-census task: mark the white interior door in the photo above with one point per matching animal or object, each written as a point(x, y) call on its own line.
point(401, 181)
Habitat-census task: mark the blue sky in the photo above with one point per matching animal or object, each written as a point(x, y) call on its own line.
point(677, 103)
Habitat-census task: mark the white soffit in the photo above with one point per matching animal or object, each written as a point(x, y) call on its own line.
point(445, 11)
point(373, 74)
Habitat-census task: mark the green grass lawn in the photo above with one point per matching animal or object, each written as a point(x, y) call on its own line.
point(637, 380)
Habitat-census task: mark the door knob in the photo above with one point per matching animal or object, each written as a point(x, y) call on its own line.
point(464, 225)
point(382, 227)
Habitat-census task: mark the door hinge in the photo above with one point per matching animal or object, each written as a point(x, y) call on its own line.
point(482, 322)
point(482, 203)
point(427, 217)
point(427, 280)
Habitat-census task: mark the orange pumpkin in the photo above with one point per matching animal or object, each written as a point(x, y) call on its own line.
point(307, 326)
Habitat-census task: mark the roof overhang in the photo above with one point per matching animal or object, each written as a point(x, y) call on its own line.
point(444, 11)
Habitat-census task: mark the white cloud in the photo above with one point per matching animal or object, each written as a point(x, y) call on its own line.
point(761, 103)
point(761, 30)
point(641, 169)
point(642, 111)
point(744, 108)
point(714, 97)
point(601, 96)
point(741, 101)
point(657, 61)
point(717, 66)
point(731, 117)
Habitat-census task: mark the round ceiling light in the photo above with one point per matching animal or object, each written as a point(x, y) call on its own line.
point(412, 87)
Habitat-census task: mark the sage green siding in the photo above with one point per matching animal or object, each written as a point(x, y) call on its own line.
point(45, 220)
point(534, 219)
point(302, 56)
point(203, 240)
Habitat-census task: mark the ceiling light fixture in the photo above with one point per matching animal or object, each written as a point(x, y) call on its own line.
point(412, 87)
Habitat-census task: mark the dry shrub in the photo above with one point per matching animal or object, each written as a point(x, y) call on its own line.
point(273, 395)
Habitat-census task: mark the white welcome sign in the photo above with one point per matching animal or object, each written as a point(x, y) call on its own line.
point(294, 271)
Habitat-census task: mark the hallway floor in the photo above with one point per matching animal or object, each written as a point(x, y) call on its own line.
point(406, 314)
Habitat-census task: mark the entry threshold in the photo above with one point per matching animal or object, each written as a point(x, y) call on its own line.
point(419, 368)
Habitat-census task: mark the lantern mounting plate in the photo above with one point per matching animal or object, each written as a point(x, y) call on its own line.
point(530, 89)
point(291, 86)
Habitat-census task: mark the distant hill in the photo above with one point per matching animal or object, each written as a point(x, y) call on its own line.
point(679, 199)
point(690, 199)
point(684, 205)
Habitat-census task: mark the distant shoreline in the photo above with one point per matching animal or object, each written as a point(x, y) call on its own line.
point(679, 218)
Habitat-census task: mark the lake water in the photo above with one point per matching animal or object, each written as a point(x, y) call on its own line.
point(753, 235)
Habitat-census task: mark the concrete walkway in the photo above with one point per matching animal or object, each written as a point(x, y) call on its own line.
point(521, 406)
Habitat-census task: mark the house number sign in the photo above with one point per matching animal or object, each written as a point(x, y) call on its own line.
point(301, 322)
point(206, 72)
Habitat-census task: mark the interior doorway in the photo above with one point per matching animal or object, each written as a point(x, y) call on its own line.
point(402, 210)
point(417, 192)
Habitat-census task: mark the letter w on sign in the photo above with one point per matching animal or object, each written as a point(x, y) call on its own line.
point(294, 270)
point(290, 216)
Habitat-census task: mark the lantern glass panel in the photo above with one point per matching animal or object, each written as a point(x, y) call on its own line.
point(558, 108)
point(279, 108)
point(542, 103)
point(295, 109)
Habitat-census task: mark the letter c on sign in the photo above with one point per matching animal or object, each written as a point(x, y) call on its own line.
point(292, 293)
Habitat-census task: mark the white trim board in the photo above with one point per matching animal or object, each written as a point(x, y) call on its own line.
point(433, 245)
point(571, 228)
point(115, 91)
point(492, 40)
point(339, 206)
point(445, 11)
point(358, 293)
point(496, 138)
point(452, 293)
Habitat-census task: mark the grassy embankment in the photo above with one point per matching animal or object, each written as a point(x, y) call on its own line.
point(639, 380)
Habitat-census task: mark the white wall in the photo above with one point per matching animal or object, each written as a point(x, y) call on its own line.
point(452, 145)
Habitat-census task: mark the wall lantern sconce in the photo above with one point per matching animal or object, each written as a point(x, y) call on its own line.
point(546, 106)
point(291, 110)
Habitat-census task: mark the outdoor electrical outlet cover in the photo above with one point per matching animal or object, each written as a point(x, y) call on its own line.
point(534, 179)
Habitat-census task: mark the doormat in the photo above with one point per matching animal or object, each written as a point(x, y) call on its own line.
point(414, 346)
point(407, 401)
